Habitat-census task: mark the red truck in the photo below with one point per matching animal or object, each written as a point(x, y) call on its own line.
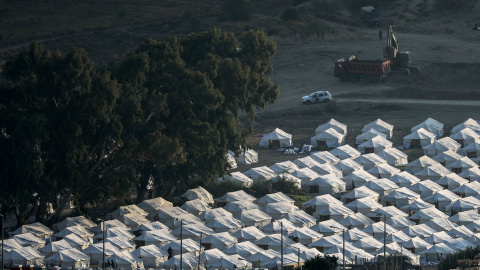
point(353, 69)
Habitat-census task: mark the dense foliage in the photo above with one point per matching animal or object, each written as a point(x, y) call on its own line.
point(166, 115)
point(324, 263)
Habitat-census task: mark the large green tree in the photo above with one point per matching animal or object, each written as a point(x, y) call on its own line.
point(166, 115)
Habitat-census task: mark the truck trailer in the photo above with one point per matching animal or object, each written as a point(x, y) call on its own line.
point(353, 69)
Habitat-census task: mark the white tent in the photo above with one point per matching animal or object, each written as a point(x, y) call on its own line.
point(72, 221)
point(53, 247)
point(447, 157)
point(37, 229)
point(127, 209)
point(332, 123)
point(334, 211)
point(374, 145)
point(326, 168)
point(382, 186)
point(96, 251)
point(363, 205)
point(239, 195)
point(465, 136)
point(236, 207)
point(468, 189)
point(78, 230)
point(151, 256)
point(441, 224)
point(297, 182)
point(426, 188)
point(125, 260)
point(471, 150)
point(254, 217)
point(211, 255)
point(418, 138)
point(195, 207)
point(198, 193)
point(304, 236)
point(276, 139)
point(367, 135)
point(151, 206)
point(108, 224)
point(29, 240)
point(361, 192)
point(248, 234)
point(225, 224)
point(431, 125)
point(404, 179)
point(244, 249)
point(377, 229)
point(472, 174)
point(248, 156)
point(421, 230)
point(262, 173)
point(188, 246)
point(469, 123)
point(279, 210)
point(401, 197)
point(158, 238)
point(416, 245)
point(319, 201)
point(221, 241)
point(305, 162)
point(438, 237)
point(328, 227)
point(357, 220)
point(300, 219)
point(229, 262)
point(132, 221)
point(434, 253)
point(326, 184)
point(434, 172)
point(415, 205)
point(462, 164)
point(121, 243)
point(383, 171)
point(274, 197)
point(369, 160)
point(188, 262)
point(345, 152)
point(305, 175)
point(399, 222)
point(420, 164)
point(232, 163)
point(381, 126)
point(330, 138)
point(451, 181)
point(442, 198)
point(394, 157)
point(69, 258)
point(357, 178)
point(238, 178)
point(284, 167)
point(347, 166)
point(273, 241)
point(24, 256)
point(323, 157)
point(465, 218)
point(9, 244)
point(441, 145)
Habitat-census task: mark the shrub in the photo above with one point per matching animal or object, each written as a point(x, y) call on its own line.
point(291, 14)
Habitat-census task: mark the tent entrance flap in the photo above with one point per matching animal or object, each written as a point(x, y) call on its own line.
point(275, 144)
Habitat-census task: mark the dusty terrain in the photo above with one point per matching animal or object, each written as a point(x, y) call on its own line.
point(447, 88)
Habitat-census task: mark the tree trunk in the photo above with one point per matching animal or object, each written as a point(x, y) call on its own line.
point(58, 212)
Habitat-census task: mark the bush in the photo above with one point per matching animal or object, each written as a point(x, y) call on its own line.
point(291, 14)
point(238, 9)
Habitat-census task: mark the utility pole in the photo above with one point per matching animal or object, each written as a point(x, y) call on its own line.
point(181, 244)
point(281, 245)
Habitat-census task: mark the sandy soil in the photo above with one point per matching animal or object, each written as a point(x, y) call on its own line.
point(449, 68)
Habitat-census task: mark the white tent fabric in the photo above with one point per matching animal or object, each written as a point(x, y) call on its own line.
point(237, 178)
point(468, 190)
point(465, 218)
point(399, 222)
point(151, 256)
point(377, 229)
point(330, 137)
point(53, 247)
point(447, 157)
point(127, 209)
point(151, 206)
point(169, 213)
point(420, 230)
point(438, 237)
point(363, 205)
point(323, 157)
point(192, 231)
point(300, 219)
point(9, 244)
point(472, 174)
point(416, 245)
point(471, 150)
point(225, 224)
point(441, 145)
point(305, 162)
point(29, 240)
point(347, 166)
point(361, 192)
point(426, 214)
point(434, 172)
point(369, 244)
point(262, 173)
point(323, 169)
point(157, 238)
point(326, 184)
point(415, 205)
point(305, 175)
point(248, 156)
point(357, 178)
point(278, 137)
point(442, 198)
point(404, 179)
point(469, 123)
point(198, 193)
point(272, 198)
point(426, 188)
point(328, 228)
point(434, 252)
point(357, 220)
point(254, 217)
point(367, 135)
point(441, 224)
point(188, 262)
point(212, 213)
point(211, 255)
point(69, 258)
point(381, 126)
point(125, 260)
point(95, 251)
point(374, 145)
point(383, 171)
point(195, 207)
point(451, 181)
point(239, 195)
point(108, 224)
point(189, 246)
point(401, 197)
point(345, 152)
point(248, 234)
point(279, 210)
point(318, 202)
point(278, 226)
point(37, 229)
point(244, 249)
point(78, 230)
point(369, 160)
point(419, 164)
point(24, 256)
point(382, 186)
point(332, 123)
point(394, 157)
point(465, 136)
point(334, 211)
point(221, 240)
point(431, 125)
point(386, 211)
point(232, 163)
point(120, 243)
point(132, 221)
point(72, 221)
point(229, 262)
point(460, 232)
point(236, 207)
point(273, 241)
point(419, 137)
point(284, 167)
point(462, 164)
point(297, 182)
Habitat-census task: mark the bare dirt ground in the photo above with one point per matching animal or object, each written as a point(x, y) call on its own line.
point(447, 88)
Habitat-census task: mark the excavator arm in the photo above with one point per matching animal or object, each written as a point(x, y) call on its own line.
point(391, 50)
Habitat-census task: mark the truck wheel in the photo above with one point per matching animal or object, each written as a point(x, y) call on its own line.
point(326, 101)
point(308, 102)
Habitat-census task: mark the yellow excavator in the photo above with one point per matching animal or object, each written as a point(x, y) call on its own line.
point(400, 59)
